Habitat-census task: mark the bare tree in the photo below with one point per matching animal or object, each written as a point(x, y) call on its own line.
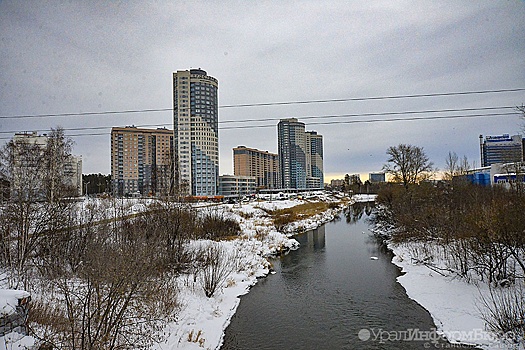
point(217, 265)
point(57, 157)
point(31, 167)
point(408, 164)
point(454, 166)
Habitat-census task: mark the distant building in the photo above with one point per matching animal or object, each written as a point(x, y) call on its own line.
point(337, 183)
point(141, 161)
point(314, 160)
point(313, 182)
point(291, 139)
point(501, 149)
point(73, 173)
point(376, 177)
point(196, 132)
point(300, 156)
point(31, 167)
point(262, 165)
point(496, 174)
point(237, 186)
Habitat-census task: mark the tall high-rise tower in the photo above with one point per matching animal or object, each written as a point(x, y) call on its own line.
point(195, 132)
point(292, 153)
point(314, 160)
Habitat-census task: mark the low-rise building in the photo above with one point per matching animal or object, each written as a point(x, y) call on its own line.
point(376, 177)
point(237, 186)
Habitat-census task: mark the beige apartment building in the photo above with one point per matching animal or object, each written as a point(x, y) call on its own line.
point(262, 165)
point(141, 161)
point(196, 132)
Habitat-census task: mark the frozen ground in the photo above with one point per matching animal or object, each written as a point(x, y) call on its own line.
point(202, 321)
point(452, 302)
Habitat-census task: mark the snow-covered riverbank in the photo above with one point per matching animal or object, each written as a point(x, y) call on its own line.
point(452, 302)
point(202, 321)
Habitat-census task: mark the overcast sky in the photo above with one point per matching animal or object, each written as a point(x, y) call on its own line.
point(86, 56)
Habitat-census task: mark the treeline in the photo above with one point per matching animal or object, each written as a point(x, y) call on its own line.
point(477, 233)
point(96, 183)
point(481, 229)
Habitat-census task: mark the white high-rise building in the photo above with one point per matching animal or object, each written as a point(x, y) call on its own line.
point(31, 169)
point(195, 132)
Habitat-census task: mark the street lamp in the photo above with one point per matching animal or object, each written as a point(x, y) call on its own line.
point(85, 192)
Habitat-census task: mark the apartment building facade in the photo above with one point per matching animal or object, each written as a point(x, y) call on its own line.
point(141, 161)
point(300, 156)
point(291, 139)
point(32, 167)
point(195, 132)
point(262, 165)
point(314, 160)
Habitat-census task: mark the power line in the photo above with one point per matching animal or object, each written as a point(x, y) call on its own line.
point(392, 97)
point(374, 114)
point(322, 123)
point(302, 118)
point(380, 120)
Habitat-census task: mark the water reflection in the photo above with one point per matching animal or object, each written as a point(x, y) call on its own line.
point(313, 240)
point(324, 294)
point(355, 212)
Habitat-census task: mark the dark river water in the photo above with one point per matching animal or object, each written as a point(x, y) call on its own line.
point(330, 294)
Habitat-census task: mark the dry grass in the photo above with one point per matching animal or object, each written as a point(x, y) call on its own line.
point(282, 217)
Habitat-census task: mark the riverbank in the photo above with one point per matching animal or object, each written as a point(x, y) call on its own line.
point(201, 321)
point(453, 303)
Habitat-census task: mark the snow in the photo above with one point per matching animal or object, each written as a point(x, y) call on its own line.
point(9, 300)
point(8, 303)
point(364, 197)
point(202, 321)
point(452, 302)
point(14, 340)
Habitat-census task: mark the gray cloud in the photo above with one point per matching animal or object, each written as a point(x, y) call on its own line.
point(98, 56)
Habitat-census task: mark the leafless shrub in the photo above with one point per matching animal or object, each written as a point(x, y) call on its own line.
point(217, 265)
point(116, 300)
point(214, 224)
point(39, 202)
point(503, 311)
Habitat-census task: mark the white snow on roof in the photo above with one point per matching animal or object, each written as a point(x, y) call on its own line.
point(9, 300)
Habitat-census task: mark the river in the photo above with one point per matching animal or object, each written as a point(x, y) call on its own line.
point(337, 291)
